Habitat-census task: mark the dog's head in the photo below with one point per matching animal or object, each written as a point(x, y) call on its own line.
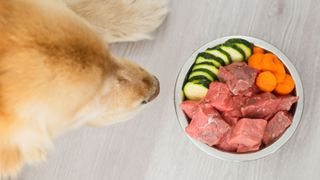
point(134, 84)
point(59, 74)
point(127, 90)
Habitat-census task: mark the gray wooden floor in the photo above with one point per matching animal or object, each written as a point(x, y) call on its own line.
point(152, 146)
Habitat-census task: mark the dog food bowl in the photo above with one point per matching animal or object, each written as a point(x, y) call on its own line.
point(297, 109)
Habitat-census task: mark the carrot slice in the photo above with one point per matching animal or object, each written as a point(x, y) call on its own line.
point(266, 81)
point(286, 86)
point(267, 63)
point(257, 49)
point(280, 72)
point(255, 61)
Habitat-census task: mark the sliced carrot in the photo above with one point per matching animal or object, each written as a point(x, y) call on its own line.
point(286, 86)
point(266, 81)
point(255, 61)
point(280, 72)
point(257, 49)
point(267, 63)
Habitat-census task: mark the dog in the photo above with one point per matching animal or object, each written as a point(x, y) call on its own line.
point(56, 72)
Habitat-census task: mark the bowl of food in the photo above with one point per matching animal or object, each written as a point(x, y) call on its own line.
point(238, 98)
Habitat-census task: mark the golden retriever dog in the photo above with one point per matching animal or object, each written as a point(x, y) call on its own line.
point(57, 74)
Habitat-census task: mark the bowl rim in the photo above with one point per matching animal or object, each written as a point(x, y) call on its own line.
point(244, 156)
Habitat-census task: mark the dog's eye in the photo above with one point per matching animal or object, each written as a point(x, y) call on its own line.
point(121, 80)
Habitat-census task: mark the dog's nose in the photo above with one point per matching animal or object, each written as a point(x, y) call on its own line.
point(156, 91)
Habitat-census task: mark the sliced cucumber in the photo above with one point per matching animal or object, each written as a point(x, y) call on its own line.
point(201, 59)
point(234, 51)
point(214, 76)
point(246, 46)
point(220, 54)
point(195, 90)
point(241, 41)
point(227, 54)
point(207, 57)
point(199, 78)
point(247, 51)
point(209, 75)
point(205, 65)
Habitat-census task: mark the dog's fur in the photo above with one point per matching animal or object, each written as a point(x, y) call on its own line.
point(56, 72)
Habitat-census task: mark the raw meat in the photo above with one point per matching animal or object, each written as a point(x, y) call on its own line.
point(276, 126)
point(231, 117)
point(286, 102)
point(225, 145)
point(265, 105)
point(207, 125)
point(219, 96)
point(189, 107)
point(240, 78)
point(234, 114)
point(248, 132)
point(242, 148)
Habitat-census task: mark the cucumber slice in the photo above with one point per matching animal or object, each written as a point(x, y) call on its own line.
point(201, 73)
point(214, 76)
point(241, 41)
point(195, 90)
point(247, 51)
point(224, 52)
point(206, 57)
point(206, 65)
point(199, 78)
point(234, 51)
point(220, 54)
point(246, 46)
point(201, 59)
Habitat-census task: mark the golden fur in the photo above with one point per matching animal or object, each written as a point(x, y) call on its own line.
point(57, 74)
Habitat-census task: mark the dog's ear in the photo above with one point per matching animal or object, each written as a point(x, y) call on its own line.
point(121, 20)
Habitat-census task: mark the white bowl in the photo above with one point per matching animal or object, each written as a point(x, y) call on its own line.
point(178, 98)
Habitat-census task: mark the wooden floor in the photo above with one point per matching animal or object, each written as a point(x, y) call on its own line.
point(152, 146)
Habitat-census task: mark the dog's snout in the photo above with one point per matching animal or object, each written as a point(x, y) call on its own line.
point(156, 91)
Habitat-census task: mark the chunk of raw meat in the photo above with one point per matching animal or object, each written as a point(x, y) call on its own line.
point(189, 107)
point(207, 125)
point(287, 101)
point(219, 96)
point(248, 132)
point(225, 145)
point(276, 126)
point(231, 117)
point(260, 106)
point(239, 101)
point(265, 105)
point(242, 148)
point(240, 78)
